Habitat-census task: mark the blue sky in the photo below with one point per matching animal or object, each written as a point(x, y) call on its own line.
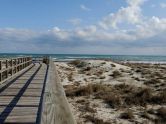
point(83, 26)
point(45, 14)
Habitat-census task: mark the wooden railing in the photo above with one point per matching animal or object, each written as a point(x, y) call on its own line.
point(9, 67)
point(55, 108)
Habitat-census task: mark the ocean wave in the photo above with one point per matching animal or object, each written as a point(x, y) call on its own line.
point(80, 57)
point(148, 62)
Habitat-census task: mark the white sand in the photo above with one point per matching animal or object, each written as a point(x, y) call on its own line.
point(71, 75)
point(96, 65)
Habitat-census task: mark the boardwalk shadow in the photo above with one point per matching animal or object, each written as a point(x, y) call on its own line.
point(13, 103)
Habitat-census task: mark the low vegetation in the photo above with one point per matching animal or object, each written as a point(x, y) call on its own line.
point(152, 81)
point(78, 63)
point(95, 120)
point(113, 65)
point(146, 99)
point(119, 95)
point(127, 115)
point(112, 99)
point(115, 74)
point(161, 112)
point(70, 77)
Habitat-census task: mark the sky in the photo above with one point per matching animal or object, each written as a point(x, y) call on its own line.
point(125, 27)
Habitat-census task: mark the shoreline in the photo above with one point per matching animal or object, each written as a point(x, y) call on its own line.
point(140, 62)
point(115, 58)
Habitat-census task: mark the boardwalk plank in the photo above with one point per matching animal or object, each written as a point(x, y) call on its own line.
point(22, 109)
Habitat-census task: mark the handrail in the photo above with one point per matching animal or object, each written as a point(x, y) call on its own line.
point(9, 67)
point(55, 108)
point(5, 69)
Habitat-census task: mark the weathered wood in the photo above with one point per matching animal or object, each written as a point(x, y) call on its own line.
point(0, 70)
point(15, 68)
point(19, 102)
point(55, 109)
point(11, 66)
point(8, 69)
point(0, 65)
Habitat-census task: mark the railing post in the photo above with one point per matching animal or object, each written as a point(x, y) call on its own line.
point(0, 70)
point(6, 68)
point(15, 63)
point(11, 64)
point(30, 60)
point(26, 61)
point(18, 64)
point(21, 63)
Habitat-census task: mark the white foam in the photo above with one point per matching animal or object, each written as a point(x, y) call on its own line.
point(151, 62)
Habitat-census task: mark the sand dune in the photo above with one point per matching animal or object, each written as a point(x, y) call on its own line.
point(104, 92)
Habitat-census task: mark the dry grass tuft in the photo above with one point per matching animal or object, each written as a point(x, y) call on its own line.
point(139, 97)
point(113, 65)
point(81, 101)
point(70, 77)
point(137, 79)
point(121, 95)
point(159, 98)
point(116, 74)
point(78, 63)
point(127, 115)
point(87, 69)
point(124, 88)
point(162, 113)
point(86, 90)
point(75, 62)
point(87, 108)
point(138, 70)
point(102, 77)
point(146, 115)
point(79, 91)
point(95, 120)
point(152, 81)
point(99, 73)
point(112, 99)
point(103, 63)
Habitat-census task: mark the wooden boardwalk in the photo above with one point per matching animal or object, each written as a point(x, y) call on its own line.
point(34, 96)
point(20, 99)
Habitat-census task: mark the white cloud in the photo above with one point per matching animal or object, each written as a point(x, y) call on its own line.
point(154, 26)
point(147, 35)
point(59, 34)
point(130, 14)
point(83, 7)
point(163, 5)
point(75, 21)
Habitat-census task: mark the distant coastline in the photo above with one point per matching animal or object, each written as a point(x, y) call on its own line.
point(69, 57)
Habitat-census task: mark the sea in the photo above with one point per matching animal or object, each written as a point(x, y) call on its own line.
point(70, 57)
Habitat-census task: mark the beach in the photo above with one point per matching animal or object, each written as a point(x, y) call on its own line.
point(106, 92)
